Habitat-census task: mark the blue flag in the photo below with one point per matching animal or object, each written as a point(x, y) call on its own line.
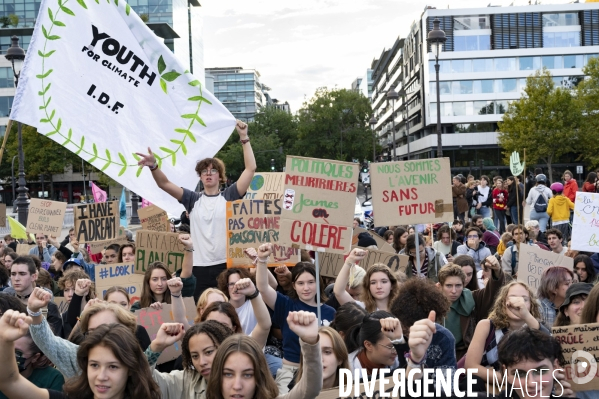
point(123, 209)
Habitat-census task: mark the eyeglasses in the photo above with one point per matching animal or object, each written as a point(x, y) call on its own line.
point(390, 347)
point(472, 236)
point(212, 172)
point(231, 285)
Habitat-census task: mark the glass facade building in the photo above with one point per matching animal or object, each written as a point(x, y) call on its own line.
point(239, 90)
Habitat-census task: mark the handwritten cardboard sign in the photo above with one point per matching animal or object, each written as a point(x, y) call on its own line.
point(581, 369)
point(411, 192)
point(46, 216)
point(533, 261)
point(380, 241)
point(62, 304)
point(269, 185)
point(585, 225)
point(331, 264)
point(120, 274)
point(23, 249)
point(158, 246)
point(318, 204)
point(98, 246)
point(2, 215)
point(154, 218)
point(251, 223)
point(97, 222)
point(152, 320)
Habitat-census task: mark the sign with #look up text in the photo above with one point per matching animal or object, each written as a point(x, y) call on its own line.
point(318, 204)
point(585, 226)
point(97, 222)
point(251, 223)
point(533, 261)
point(119, 274)
point(411, 192)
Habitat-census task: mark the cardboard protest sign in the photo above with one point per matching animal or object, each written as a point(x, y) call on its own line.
point(154, 218)
point(46, 216)
point(23, 249)
point(96, 247)
point(585, 225)
point(126, 76)
point(411, 192)
point(380, 241)
point(269, 185)
point(316, 214)
point(532, 262)
point(62, 304)
point(152, 320)
point(97, 222)
point(581, 351)
point(120, 274)
point(2, 215)
point(251, 223)
point(153, 246)
point(331, 264)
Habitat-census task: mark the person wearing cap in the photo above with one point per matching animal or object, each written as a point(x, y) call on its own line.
point(538, 198)
point(571, 310)
point(559, 210)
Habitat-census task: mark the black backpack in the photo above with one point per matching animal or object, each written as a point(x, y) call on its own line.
point(541, 203)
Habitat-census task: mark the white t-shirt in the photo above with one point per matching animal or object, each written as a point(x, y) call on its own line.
point(484, 191)
point(246, 317)
point(207, 215)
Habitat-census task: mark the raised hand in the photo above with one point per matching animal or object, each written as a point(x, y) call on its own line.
point(82, 287)
point(156, 306)
point(251, 253)
point(38, 299)
point(13, 325)
point(492, 263)
point(185, 239)
point(52, 240)
point(75, 244)
point(245, 286)
point(356, 255)
point(391, 328)
point(167, 335)
point(282, 270)
point(175, 285)
point(242, 129)
point(146, 159)
point(421, 335)
point(304, 325)
point(264, 251)
point(515, 166)
point(517, 305)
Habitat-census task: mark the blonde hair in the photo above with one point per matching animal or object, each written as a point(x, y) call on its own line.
point(123, 316)
point(203, 301)
point(356, 276)
point(499, 315)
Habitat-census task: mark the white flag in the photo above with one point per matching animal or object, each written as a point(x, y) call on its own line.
point(97, 80)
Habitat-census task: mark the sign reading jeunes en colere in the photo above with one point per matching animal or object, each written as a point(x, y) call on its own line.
point(98, 81)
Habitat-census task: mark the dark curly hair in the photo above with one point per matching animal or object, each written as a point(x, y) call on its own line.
point(417, 297)
point(217, 332)
point(222, 280)
point(529, 344)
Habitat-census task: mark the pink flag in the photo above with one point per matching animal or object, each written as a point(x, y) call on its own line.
point(99, 194)
point(145, 202)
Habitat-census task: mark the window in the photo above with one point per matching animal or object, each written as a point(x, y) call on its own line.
point(482, 65)
point(505, 64)
point(587, 57)
point(560, 19)
point(530, 63)
point(573, 61)
point(509, 85)
point(484, 107)
point(461, 87)
point(521, 30)
point(501, 107)
point(482, 86)
point(552, 61)
point(561, 39)
point(471, 22)
point(472, 43)
point(474, 127)
point(459, 109)
point(5, 106)
point(461, 66)
point(6, 78)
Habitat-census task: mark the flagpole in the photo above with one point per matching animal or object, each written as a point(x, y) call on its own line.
point(8, 127)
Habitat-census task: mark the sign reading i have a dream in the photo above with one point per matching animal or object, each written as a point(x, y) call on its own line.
point(97, 222)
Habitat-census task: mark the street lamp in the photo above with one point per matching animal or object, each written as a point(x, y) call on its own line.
point(392, 95)
point(16, 56)
point(12, 173)
point(134, 205)
point(373, 121)
point(436, 39)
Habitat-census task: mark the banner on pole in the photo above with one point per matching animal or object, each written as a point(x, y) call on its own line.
point(251, 223)
point(411, 192)
point(316, 215)
point(98, 81)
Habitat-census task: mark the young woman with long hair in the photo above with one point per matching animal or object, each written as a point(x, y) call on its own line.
point(380, 286)
point(571, 310)
point(584, 268)
point(111, 362)
point(155, 290)
point(209, 296)
point(334, 358)
point(226, 283)
point(400, 235)
point(127, 253)
point(302, 296)
point(239, 369)
point(515, 306)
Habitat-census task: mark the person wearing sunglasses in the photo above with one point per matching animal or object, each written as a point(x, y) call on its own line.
point(474, 247)
point(207, 209)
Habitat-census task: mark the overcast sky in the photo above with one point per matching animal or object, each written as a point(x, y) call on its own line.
point(298, 46)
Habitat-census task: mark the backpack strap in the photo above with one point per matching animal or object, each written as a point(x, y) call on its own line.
point(514, 259)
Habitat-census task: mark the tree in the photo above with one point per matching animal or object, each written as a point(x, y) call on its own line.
point(545, 121)
point(334, 125)
point(588, 100)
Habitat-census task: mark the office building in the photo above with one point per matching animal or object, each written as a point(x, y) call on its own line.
point(363, 84)
point(240, 91)
point(484, 64)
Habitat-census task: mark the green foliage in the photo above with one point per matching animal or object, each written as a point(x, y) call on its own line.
point(545, 121)
point(5, 21)
point(14, 20)
point(588, 99)
point(334, 125)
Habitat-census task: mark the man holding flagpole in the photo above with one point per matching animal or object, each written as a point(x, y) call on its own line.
point(207, 210)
